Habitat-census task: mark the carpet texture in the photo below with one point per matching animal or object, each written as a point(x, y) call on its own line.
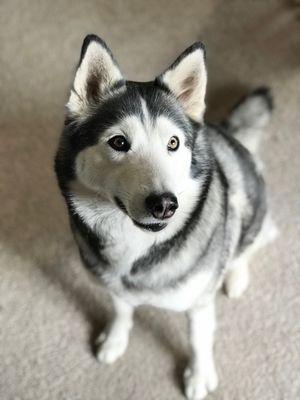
point(50, 310)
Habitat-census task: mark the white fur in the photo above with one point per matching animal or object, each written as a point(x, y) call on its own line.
point(148, 167)
point(237, 279)
point(247, 122)
point(102, 174)
point(200, 376)
point(113, 343)
point(96, 61)
point(252, 113)
point(126, 242)
point(187, 80)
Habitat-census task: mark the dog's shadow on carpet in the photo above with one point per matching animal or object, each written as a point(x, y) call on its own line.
point(170, 334)
point(35, 234)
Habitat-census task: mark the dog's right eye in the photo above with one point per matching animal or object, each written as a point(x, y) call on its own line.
point(119, 143)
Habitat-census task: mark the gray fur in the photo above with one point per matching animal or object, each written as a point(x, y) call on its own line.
point(221, 210)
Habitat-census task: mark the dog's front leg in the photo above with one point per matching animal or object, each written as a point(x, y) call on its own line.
point(200, 376)
point(113, 342)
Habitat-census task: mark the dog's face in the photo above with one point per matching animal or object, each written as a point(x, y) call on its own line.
point(136, 141)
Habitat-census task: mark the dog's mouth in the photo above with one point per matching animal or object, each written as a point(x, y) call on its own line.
point(121, 205)
point(150, 227)
point(156, 227)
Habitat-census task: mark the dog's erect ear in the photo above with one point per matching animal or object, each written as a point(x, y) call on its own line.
point(96, 75)
point(186, 78)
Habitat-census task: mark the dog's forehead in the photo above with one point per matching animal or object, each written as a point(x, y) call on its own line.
point(147, 127)
point(148, 105)
point(139, 102)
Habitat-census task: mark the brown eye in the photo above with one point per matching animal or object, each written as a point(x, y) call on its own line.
point(119, 143)
point(173, 143)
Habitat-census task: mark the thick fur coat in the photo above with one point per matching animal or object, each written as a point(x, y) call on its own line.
point(164, 208)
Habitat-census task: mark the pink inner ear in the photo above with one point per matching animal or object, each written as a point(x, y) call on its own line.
point(189, 81)
point(187, 87)
point(184, 96)
point(92, 86)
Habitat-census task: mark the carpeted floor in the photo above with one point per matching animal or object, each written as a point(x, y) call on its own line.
point(50, 311)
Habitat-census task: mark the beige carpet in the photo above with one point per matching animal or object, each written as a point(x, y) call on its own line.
point(50, 311)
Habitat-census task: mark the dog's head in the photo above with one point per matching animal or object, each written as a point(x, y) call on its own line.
point(139, 145)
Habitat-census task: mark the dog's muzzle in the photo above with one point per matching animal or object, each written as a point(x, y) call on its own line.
point(155, 227)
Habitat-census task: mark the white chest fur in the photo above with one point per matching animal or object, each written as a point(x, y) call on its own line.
point(125, 243)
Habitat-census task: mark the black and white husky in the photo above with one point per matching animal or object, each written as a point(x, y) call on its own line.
point(164, 208)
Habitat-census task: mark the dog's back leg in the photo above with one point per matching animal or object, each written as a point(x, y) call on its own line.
point(237, 275)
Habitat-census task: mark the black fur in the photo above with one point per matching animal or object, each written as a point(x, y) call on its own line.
point(90, 245)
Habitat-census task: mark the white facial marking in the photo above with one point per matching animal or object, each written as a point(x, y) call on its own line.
point(148, 167)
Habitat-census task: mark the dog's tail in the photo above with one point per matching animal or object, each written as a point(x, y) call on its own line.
point(249, 117)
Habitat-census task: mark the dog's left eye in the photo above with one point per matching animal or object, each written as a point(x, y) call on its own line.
point(119, 143)
point(173, 143)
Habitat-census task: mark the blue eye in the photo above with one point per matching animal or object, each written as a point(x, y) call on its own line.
point(173, 143)
point(119, 143)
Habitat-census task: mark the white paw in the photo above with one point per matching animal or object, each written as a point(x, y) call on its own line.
point(236, 283)
point(112, 346)
point(199, 384)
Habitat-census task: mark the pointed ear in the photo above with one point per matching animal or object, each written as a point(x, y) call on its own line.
point(186, 78)
point(97, 75)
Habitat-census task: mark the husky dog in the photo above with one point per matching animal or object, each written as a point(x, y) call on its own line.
point(164, 209)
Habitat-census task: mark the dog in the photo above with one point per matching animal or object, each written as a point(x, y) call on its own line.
point(165, 209)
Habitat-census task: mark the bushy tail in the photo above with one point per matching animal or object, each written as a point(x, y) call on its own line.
point(249, 117)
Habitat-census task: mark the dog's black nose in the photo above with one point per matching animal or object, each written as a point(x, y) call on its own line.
point(161, 206)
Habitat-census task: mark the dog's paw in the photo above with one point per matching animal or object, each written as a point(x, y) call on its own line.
point(236, 282)
point(236, 286)
point(111, 347)
point(199, 384)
